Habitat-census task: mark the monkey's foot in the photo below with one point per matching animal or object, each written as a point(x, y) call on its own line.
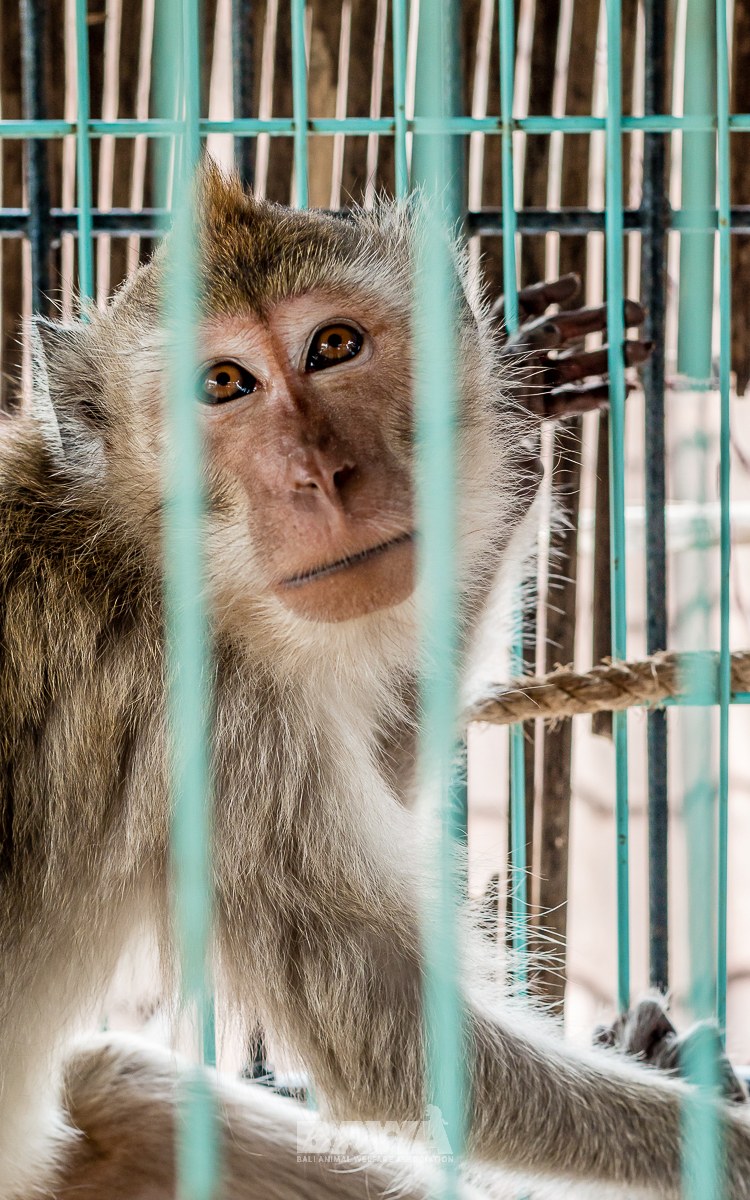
point(646, 1032)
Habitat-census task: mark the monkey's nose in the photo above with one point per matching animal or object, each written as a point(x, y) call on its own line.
point(328, 477)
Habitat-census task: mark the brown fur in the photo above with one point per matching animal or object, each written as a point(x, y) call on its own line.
point(316, 859)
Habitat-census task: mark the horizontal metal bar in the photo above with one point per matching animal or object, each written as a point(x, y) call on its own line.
point(359, 126)
point(240, 127)
point(489, 221)
point(659, 123)
point(151, 222)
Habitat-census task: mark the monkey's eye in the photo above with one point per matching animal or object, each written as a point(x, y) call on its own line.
point(224, 381)
point(331, 345)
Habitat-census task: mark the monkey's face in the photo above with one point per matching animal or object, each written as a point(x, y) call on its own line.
point(306, 414)
point(305, 397)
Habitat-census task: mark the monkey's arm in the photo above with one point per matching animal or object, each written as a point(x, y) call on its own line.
point(557, 378)
point(344, 982)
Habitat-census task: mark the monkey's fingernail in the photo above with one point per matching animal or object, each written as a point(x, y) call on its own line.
point(635, 314)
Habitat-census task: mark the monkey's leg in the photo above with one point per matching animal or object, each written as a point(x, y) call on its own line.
point(122, 1094)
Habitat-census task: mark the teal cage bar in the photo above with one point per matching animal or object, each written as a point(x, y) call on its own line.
point(706, 126)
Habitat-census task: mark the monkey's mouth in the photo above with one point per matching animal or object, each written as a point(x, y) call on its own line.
point(343, 564)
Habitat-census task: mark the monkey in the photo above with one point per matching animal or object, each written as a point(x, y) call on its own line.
point(304, 395)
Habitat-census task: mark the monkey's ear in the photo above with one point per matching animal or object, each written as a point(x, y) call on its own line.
point(42, 408)
point(60, 403)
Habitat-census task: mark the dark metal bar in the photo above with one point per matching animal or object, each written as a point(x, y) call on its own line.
point(653, 294)
point(243, 82)
point(488, 221)
point(601, 626)
point(151, 222)
point(554, 825)
point(33, 91)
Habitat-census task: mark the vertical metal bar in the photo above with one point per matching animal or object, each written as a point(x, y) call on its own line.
point(702, 1134)
point(519, 938)
point(436, 418)
point(518, 895)
point(299, 99)
point(451, 67)
point(32, 13)
point(83, 156)
point(698, 194)
point(453, 81)
point(507, 76)
point(399, 95)
point(189, 699)
point(601, 629)
point(550, 979)
point(376, 99)
point(518, 867)
point(725, 335)
point(653, 291)
point(616, 337)
point(243, 82)
point(702, 1155)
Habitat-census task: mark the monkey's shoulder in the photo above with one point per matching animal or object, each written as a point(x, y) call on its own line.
point(70, 574)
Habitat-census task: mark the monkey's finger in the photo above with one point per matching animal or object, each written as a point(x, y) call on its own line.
point(535, 299)
point(580, 321)
point(571, 399)
point(579, 364)
point(552, 332)
point(573, 364)
point(567, 401)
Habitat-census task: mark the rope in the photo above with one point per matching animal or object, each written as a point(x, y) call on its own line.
point(608, 687)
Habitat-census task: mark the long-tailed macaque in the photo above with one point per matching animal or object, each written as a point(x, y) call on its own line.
point(305, 400)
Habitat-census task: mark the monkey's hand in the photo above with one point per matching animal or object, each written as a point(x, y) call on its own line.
point(556, 376)
point(646, 1032)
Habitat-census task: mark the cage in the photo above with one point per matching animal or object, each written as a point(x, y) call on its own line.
point(557, 135)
